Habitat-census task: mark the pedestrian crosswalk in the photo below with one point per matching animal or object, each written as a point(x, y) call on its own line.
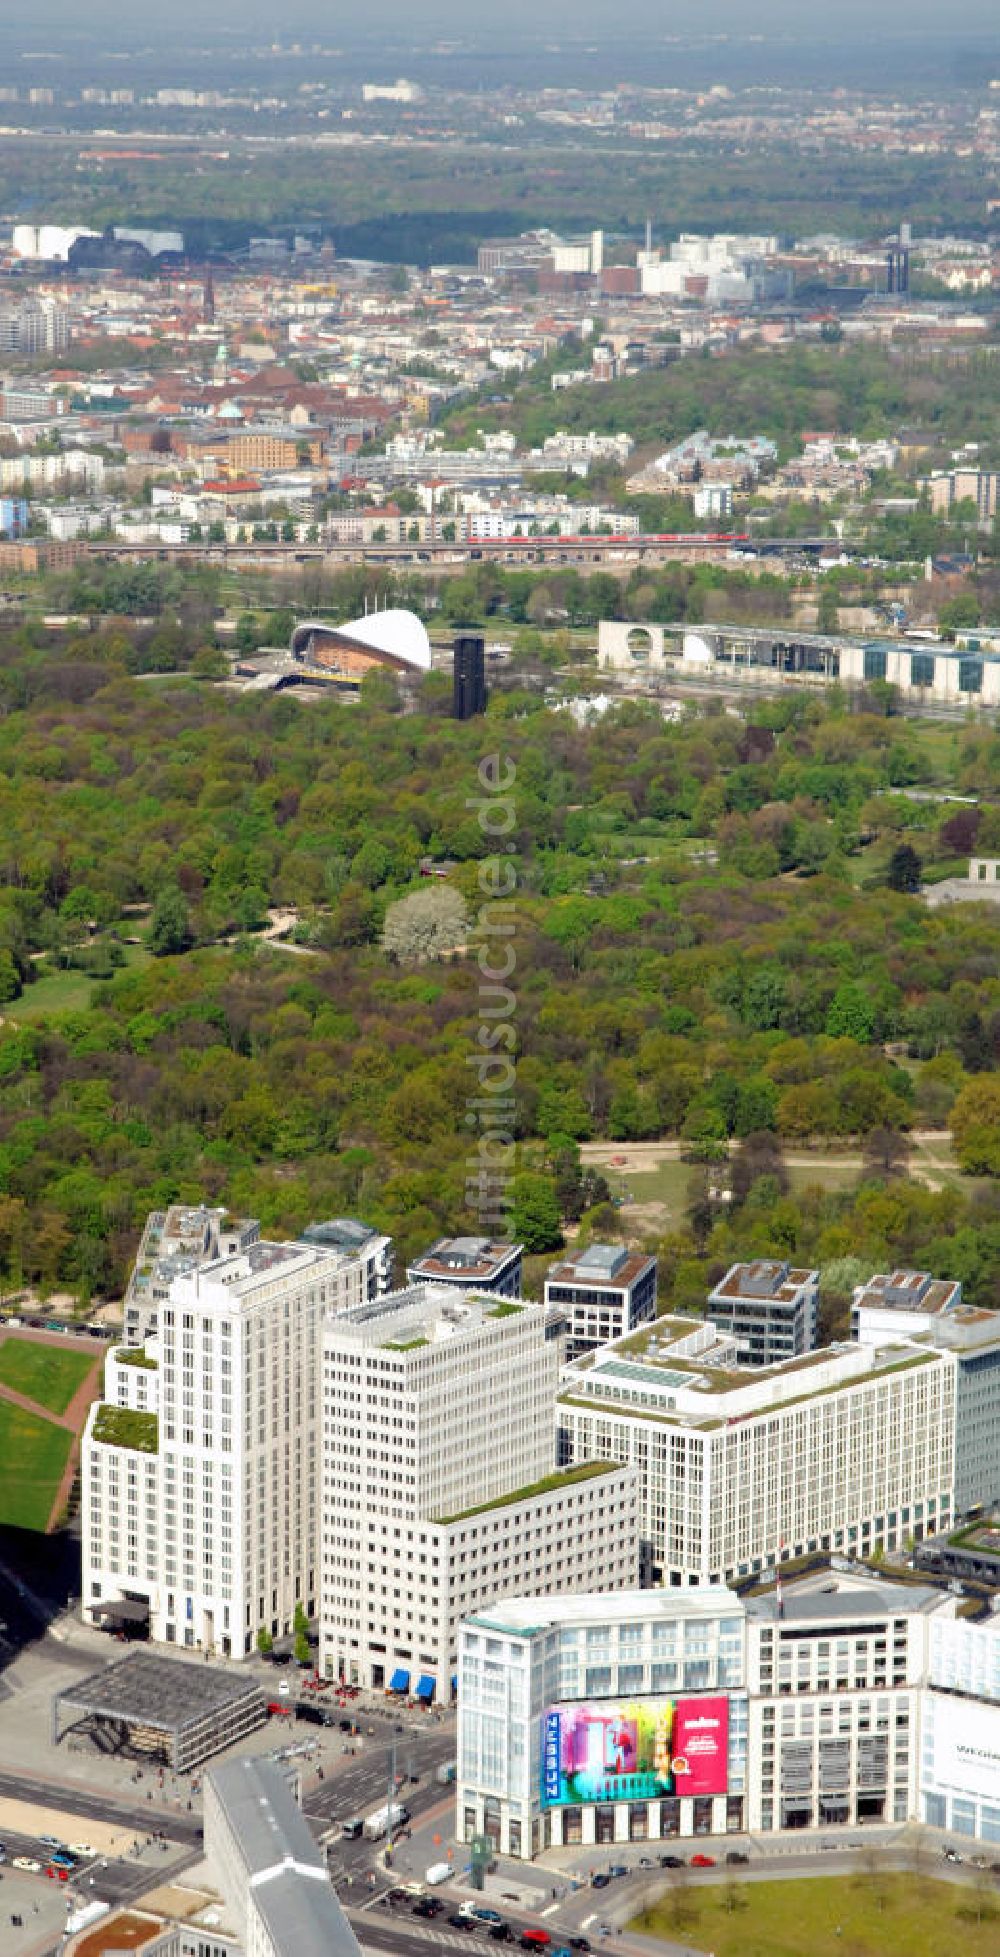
point(387, 1930)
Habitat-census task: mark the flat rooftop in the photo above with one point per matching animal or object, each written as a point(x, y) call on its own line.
point(601, 1265)
point(599, 1607)
point(474, 1258)
point(682, 1370)
point(842, 1599)
point(169, 1694)
point(764, 1278)
point(425, 1314)
point(553, 1484)
point(909, 1291)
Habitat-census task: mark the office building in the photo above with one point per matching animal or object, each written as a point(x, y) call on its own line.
point(439, 1483)
point(469, 683)
point(470, 1264)
point(273, 1875)
point(930, 1311)
point(899, 1304)
point(840, 1450)
point(602, 1292)
point(201, 1466)
point(649, 1716)
point(768, 1308)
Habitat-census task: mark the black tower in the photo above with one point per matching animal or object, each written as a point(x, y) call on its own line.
point(470, 694)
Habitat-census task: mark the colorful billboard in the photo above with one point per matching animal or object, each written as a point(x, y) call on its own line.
point(634, 1752)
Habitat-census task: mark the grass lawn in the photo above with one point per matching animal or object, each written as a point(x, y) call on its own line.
point(67, 991)
point(43, 1373)
point(33, 1456)
point(71, 991)
point(886, 1916)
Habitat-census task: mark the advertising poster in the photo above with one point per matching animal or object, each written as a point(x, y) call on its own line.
point(641, 1752)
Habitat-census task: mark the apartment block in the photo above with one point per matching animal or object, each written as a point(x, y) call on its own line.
point(978, 486)
point(841, 1450)
point(603, 1293)
point(439, 1482)
point(768, 1308)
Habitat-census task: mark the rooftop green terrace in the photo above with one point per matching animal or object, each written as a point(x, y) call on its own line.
point(549, 1485)
point(124, 1427)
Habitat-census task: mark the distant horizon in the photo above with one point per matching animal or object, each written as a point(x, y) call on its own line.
point(573, 20)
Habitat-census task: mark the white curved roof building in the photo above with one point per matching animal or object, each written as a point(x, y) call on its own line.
point(397, 639)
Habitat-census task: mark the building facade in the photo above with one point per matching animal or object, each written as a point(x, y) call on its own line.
point(439, 1482)
point(931, 1312)
point(201, 1466)
point(769, 1309)
point(841, 1450)
point(591, 1721)
point(603, 1293)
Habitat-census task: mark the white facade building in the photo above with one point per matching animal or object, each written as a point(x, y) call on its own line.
point(201, 1476)
point(930, 1311)
point(599, 1720)
point(438, 1483)
point(841, 1450)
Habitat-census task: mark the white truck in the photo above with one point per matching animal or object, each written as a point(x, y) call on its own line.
point(438, 1872)
point(393, 1816)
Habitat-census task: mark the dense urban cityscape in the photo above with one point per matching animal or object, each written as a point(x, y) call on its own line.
point(499, 962)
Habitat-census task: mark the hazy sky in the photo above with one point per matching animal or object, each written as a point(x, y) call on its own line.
point(849, 19)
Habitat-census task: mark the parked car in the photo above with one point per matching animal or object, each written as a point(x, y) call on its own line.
point(51, 1841)
point(578, 1943)
point(396, 1896)
point(599, 1881)
point(27, 1863)
point(83, 1849)
point(617, 1870)
point(951, 1854)
point(735, 1855)
point(700, 1861)
point(460, 1922)
point(672, 1862)
point(535, 1939)
point(500, 1933)
point(63, 1859)
point(315, 1715)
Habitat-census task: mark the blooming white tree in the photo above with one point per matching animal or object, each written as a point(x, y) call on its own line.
point(425, 924)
